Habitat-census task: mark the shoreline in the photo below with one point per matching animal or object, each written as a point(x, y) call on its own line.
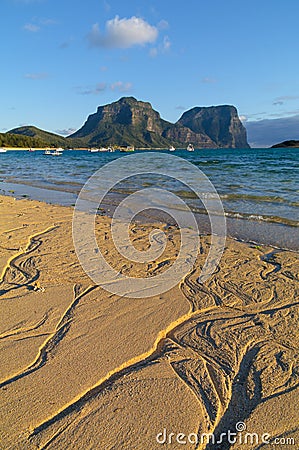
point(10, 149)
point(261, 232)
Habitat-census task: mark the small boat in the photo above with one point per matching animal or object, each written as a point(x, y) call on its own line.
point(31, 150)
point(171, 148)
point(190, 148)
point(3, 150)
point(110, 149)
point(56, 152)
point(93, 150)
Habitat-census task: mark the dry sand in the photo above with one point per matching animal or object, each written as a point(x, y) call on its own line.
point(85, 369)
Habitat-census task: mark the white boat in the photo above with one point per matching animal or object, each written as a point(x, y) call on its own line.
point(3, 150)
point(94, 150)
point(56, 152)
point(190, 148)
point(171, 148)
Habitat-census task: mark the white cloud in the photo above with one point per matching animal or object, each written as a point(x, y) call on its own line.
point(120, 86)
point(66, 131)
point(31, 27)
point(117, 86)
point(38, 23)
point(91, 90)
point(166, 44)
point(243, 118)
point(163, 25)
point(162, 48)
point(36, 76)
point(123, 33)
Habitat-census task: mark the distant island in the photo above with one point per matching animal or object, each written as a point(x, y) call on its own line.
point(286, 144)
point(135, 123)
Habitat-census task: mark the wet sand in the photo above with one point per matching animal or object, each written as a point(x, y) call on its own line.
point(274, 234)
point(85, 369)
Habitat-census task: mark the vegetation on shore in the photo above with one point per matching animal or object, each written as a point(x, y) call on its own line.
point(20, 141)
point(286, 144)
point(42, 138)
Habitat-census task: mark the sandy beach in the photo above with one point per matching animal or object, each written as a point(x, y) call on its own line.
point(85, 369)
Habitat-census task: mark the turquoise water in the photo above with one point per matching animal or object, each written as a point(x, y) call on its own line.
point(260, 185)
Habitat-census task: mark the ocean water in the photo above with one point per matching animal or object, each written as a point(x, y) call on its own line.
point(259, 186)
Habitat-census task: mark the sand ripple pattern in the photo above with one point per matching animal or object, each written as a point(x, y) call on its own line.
point(232, 350)
point(235, 350)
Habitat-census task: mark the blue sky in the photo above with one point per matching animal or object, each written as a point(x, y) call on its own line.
point(63, 58)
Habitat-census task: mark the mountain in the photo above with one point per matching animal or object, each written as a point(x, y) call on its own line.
point(220, 123)
point(132, 122)
point(286, 144)
point(50, 139)
point(125, 122)
point(47, 139)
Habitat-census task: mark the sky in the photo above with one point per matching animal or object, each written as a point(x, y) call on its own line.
point(61, 59)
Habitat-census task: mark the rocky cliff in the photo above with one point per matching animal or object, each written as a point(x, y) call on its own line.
point(125, 122)
point(132, 122)
point(182, 136)
point(220, 123)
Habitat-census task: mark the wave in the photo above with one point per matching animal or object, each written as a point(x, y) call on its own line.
point(263, 218)
point(207, 162)
point(253, 217)
point(230, 211)
point(259, 198)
